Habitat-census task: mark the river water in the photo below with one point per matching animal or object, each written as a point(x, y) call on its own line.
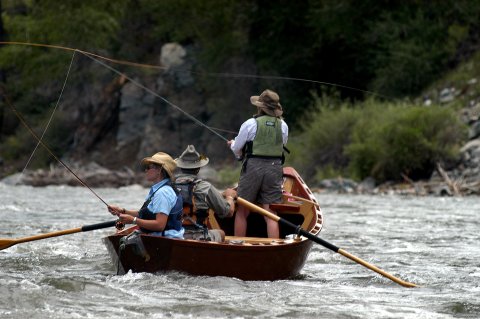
point(431, 241)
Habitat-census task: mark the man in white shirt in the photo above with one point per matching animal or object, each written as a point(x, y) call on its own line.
point(260, 143)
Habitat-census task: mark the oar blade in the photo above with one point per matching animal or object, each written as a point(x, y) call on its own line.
point(5, 243)
point(322, 242)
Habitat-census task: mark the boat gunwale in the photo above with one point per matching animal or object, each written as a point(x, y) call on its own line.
point(257, 244)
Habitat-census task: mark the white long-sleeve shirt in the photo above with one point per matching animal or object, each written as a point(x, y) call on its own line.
point(247, 133)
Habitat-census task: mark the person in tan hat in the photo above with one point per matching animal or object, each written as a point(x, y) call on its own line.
point(199, 195)
point(260, 143)
point(162, 211)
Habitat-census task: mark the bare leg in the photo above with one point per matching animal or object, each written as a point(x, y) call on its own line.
point(272, 226)
point(241, 221)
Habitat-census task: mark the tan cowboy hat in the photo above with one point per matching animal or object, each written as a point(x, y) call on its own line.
point(190, 158)
point(164, 160)
point(269, 102)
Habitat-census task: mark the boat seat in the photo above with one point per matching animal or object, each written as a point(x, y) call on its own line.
point(303, 208)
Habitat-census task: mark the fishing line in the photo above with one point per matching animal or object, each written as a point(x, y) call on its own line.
point(51, 116)
point(284, 78)
point(225, 75)
point(142, 65)
point(97, 58)
point(24, 122)
point(223, 130)
point(157, 95)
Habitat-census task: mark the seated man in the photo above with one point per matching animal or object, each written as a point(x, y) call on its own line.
point(199, 196)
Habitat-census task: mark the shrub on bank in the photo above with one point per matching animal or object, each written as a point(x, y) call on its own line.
point(378, 139)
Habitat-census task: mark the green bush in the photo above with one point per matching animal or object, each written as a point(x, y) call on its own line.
point(382, 140)
point(327, 129)
point(401, 139)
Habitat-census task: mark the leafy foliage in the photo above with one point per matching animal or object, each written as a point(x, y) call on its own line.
point(382, 140)
point(327, 130)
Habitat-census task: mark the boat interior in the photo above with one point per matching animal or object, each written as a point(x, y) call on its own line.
point(298, 206)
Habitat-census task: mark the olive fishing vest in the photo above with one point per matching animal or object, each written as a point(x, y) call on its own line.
point(268, 141)
point(174, 220)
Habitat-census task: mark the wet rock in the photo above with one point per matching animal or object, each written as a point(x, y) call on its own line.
point(366, 186)
point(172, 55)
point(92, 174)
point(341, 185)
point(446, 95)
point(474, 130)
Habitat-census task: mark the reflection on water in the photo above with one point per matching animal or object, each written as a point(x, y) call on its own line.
point(429, 241)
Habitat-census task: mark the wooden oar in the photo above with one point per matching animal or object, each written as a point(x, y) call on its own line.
point(6, 242)
point(322, 242)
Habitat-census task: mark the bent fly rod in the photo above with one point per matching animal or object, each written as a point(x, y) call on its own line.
point(39, 140)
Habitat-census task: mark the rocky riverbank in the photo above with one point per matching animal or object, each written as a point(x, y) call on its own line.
point(92, 175)
point(462, 181)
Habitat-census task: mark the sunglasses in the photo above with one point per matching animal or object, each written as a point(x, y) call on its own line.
point(150, 166)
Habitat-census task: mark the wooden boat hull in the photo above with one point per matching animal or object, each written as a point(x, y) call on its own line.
point(247, 262)
point(247, 258)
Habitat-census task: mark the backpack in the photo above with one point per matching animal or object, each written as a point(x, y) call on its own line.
point(185, 189)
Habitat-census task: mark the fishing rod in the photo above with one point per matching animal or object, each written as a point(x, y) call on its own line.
point(24, 122)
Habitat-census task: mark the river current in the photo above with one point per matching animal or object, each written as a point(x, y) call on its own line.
point(431, 241)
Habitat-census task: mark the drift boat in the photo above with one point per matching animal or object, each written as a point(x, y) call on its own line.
point(254, 257)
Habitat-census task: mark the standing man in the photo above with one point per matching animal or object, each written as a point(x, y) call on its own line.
point(260, 143)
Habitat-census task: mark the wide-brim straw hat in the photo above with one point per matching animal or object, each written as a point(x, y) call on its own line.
point(190, 159)
point(164, 160)
point(269, 102)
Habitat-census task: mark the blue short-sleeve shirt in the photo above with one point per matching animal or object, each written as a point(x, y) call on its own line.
point(162, 203)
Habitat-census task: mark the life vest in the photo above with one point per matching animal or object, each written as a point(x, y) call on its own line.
point(186, 189)
point(174, 220)
point(268, 141)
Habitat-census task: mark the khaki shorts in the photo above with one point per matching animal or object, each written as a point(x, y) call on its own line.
point(261, 181)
